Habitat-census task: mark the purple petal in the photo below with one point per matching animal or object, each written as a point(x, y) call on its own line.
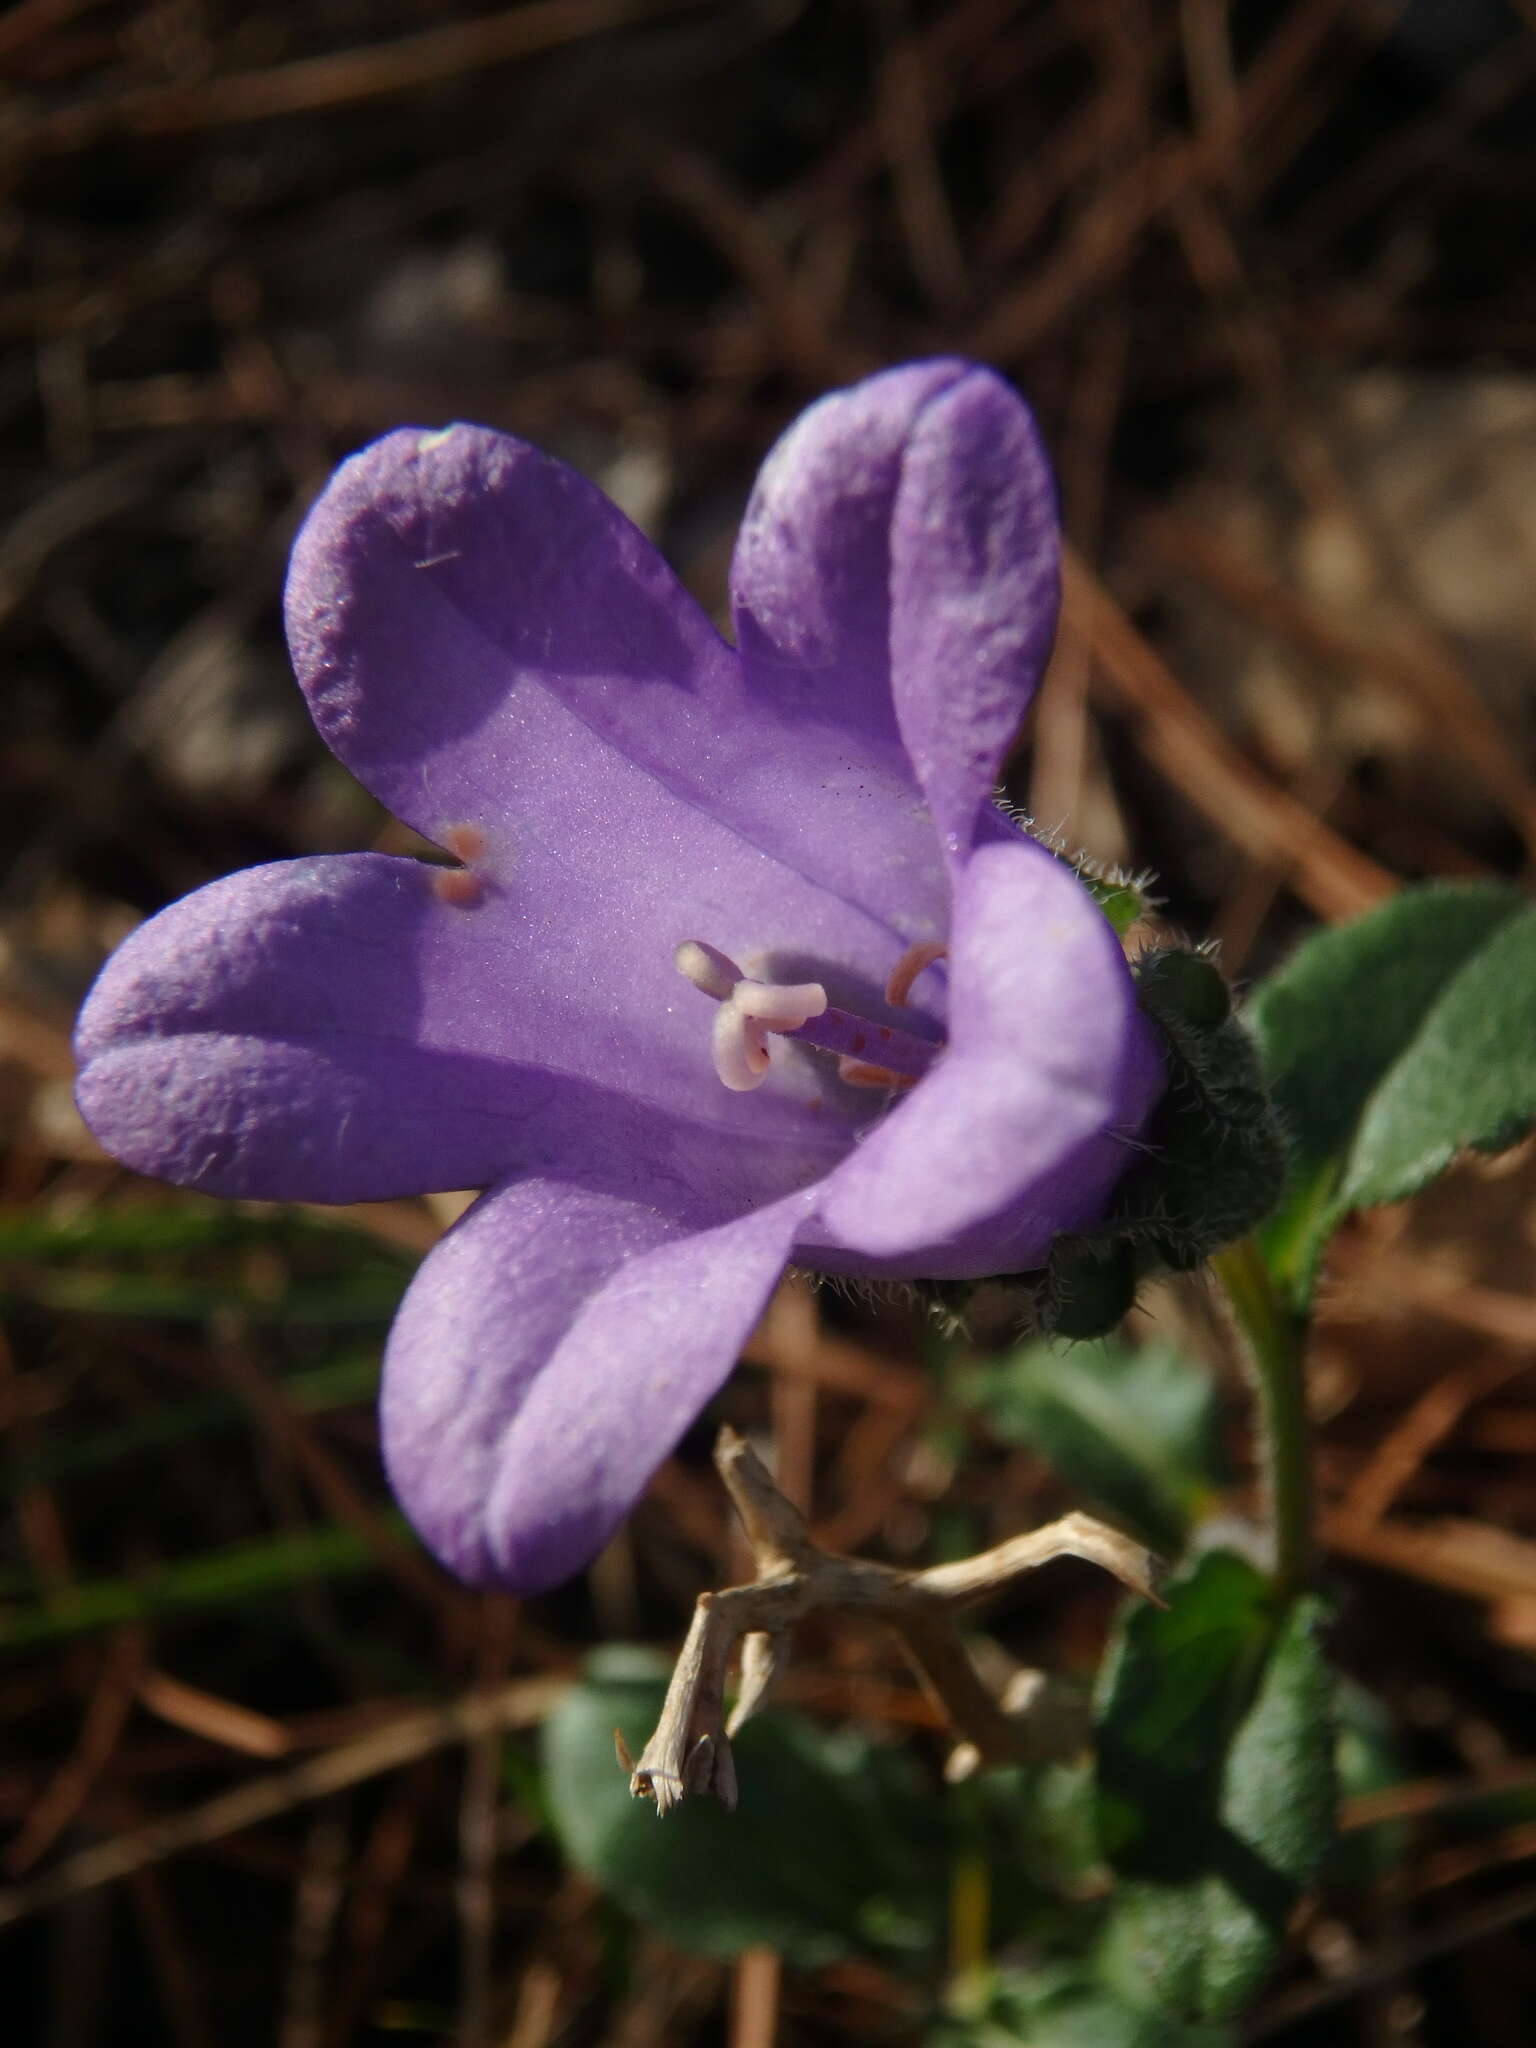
point(811, 577)
point(1028, 1120)
point(333, 1030)
point(485, 640)
point(260, 1039)
point(896, 572)
point(546, 1358)
point(975, 592)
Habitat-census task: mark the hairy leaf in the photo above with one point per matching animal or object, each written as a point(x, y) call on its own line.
point(1390, 1045)
point(1216, 1796)
point(1135, 1431)
point(834, 1847)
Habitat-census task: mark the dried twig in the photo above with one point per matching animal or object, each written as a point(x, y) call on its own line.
point(105, 1717)
point(342, 77)
point(1465, 1556)
point(1323, 869)
point(755, 1990)
point(1414, 1436)
point(1393, 1959)
point(518, 1703)
point(690, 1750)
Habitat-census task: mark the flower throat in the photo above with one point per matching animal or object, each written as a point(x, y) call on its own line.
point(868, 1055)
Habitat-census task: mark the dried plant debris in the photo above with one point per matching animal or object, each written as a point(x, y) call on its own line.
point(690, 1751)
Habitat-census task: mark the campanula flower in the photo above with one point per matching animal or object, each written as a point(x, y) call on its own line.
point(740, 963)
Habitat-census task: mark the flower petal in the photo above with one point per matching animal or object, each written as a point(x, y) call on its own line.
point(333, 1030)
point(482, 635)
point(974, 592)
point(258, 1039)
point(811, 576)
point(896, 575)
point(1024, 1125)
point(547, 1356)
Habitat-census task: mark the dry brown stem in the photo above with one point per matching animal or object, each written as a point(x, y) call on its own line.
point(691, 1749)
point(520, 1702)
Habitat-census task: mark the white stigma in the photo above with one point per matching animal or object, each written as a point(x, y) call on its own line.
point(740, 1048)
point(707, 968)
point(749, 1010)
point(781, 1006)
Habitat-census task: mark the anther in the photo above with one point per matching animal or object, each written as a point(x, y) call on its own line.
point(860, 1074)
point(464, 842)
point(911, 964)
point(460, 886)
point(457, 887)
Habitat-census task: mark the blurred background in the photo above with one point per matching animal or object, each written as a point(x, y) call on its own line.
point(1264, 267)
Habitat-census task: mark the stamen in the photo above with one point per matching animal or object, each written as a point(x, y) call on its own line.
point(911, 964)
point(860, 1074)
point(458, 887)
point(749, 1010)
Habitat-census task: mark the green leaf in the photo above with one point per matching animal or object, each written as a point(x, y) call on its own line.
point(1369, 1759)
point(1040, 1838)
point(189, 1223)
point(1391, 1044)
point(1057, 2006)
point(246, 1571)
point(1135, 1431)
point(183, 1261)
point(1215, 1782)
point(834, 1848)
point(347, 1379)
point(360, 1297)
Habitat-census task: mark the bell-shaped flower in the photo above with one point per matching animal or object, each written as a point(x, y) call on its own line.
point(740, 963)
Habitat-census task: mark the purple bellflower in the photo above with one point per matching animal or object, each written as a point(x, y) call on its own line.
point(741, 964)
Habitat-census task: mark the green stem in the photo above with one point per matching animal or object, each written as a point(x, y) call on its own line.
point(970, 1903)
point(1276, 1343)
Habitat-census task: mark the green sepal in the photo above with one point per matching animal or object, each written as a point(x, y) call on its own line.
point(1210, 1165)
point(1122, 898)
point(1091, 1285)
